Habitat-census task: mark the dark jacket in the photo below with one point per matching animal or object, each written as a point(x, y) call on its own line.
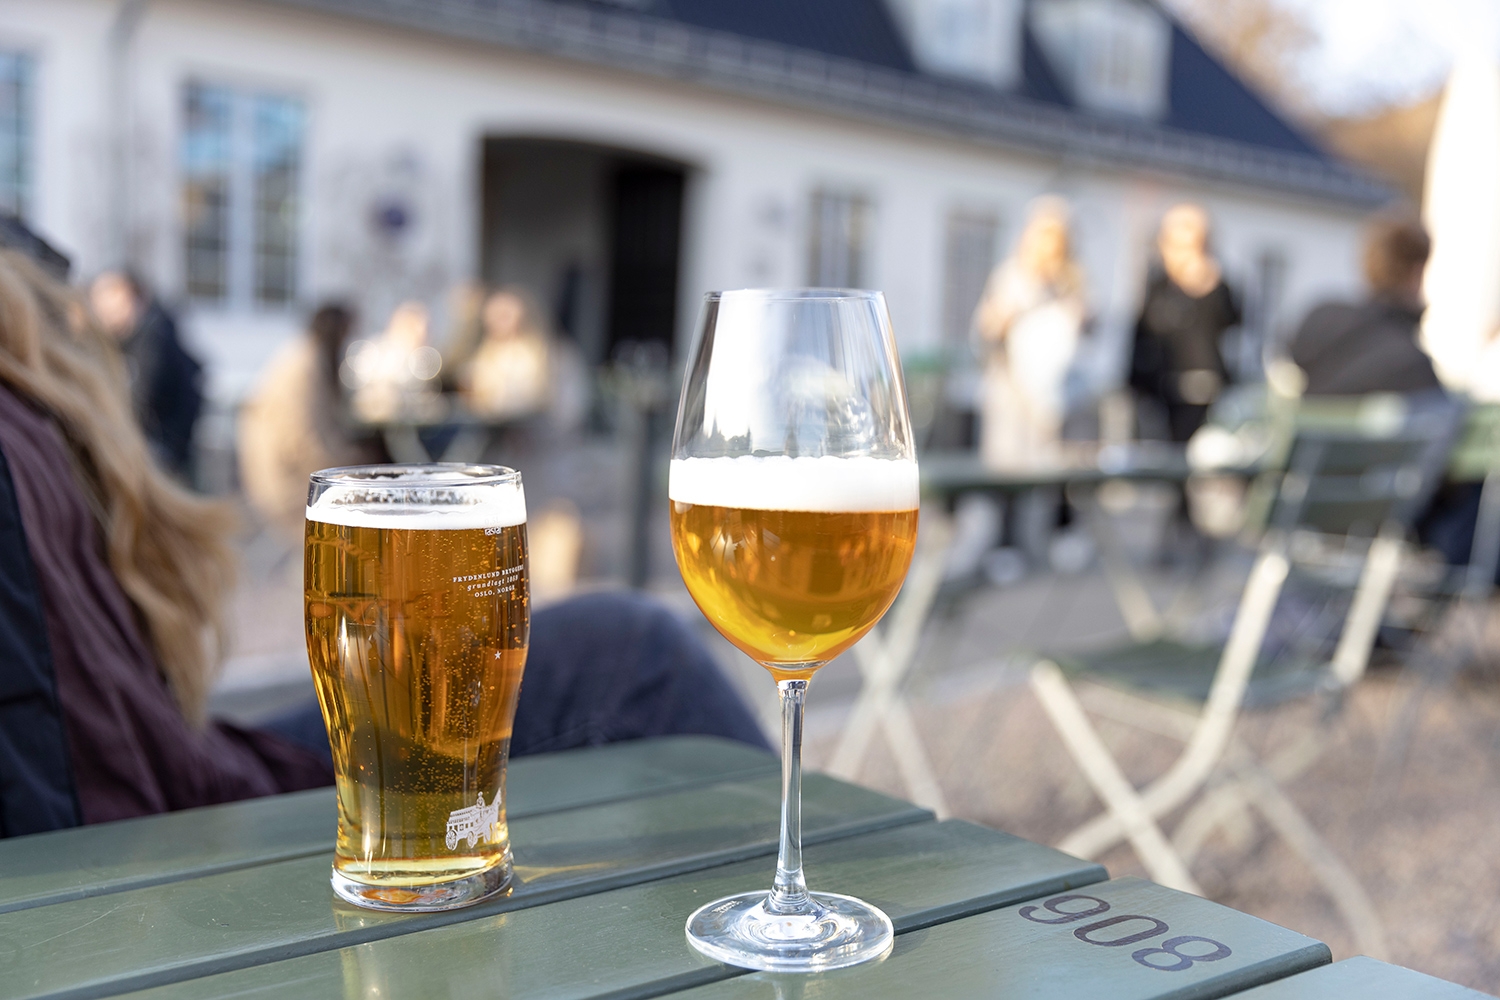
point(166, 386)
point(1175, 358)
point(89, 730)
point(1349, 350)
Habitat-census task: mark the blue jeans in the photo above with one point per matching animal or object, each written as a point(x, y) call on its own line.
point(603, 668)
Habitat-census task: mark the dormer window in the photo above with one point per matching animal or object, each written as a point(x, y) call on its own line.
point(977, 40)
point(1112, 55)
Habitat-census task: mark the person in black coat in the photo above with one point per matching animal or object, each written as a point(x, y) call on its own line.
point(1351, 349)
point(166, 382)
point(1176, 360)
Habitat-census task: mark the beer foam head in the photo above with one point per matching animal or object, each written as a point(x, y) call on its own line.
point(420, 503)
point(777, 482)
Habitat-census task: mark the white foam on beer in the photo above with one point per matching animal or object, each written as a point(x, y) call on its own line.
point(776, 482)
point(502, 507)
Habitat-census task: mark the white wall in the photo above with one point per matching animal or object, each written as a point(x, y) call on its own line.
point(392, 109)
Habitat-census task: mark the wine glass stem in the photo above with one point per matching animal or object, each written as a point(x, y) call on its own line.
point(789, 892)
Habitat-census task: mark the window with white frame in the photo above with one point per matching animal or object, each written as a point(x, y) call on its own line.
point(1113, 55)
point(16, 72)
point(973, 39)
point(971, 246)
point(240, 160)
point(838, 227)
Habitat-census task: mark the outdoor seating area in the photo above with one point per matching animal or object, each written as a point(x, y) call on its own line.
point(618, 499)
point(1311, 775)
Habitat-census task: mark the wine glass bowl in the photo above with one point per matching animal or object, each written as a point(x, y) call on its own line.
point(793, 559)
point(794, 491)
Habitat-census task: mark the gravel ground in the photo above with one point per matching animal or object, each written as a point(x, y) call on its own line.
point(1418, 829)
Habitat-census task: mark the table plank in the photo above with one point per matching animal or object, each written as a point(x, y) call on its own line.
point(1361, 979)
point(1003, 956)
point(921, 875)
point(112, 857)
point(143, 937)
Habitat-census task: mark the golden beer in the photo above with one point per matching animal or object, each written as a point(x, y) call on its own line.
point(793, 559)
point(792, 586)
point(417, 639)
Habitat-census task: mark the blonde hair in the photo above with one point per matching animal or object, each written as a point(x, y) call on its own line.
point(166, 546)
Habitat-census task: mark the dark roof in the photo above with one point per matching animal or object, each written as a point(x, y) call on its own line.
point(1038, 78)
point(1205, 97)
point(861, 30)
point(848, 56)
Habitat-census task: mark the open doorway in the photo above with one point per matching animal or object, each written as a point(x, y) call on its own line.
point(593, 232)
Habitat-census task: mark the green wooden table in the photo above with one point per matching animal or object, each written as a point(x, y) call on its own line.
point(614, 847)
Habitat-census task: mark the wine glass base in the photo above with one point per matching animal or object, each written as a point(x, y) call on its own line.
point(836, 931)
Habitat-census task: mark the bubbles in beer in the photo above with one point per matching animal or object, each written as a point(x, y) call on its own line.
point(417, 641)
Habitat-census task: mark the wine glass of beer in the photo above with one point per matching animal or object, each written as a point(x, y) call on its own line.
point(418, 616)
point(794, 516)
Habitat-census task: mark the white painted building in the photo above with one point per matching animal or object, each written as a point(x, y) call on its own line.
point(253, 157)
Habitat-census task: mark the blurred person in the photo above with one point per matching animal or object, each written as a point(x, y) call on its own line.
point(295, 423)
point(394, 375)
point(1176, 359)
point(166, 382)
point(465, 331)
point(1346, 348)
point(1028, 326)
point(509, 375)
point(1373, 346)
point(116, 578)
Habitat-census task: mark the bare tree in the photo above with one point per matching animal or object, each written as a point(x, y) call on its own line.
point(1262, 40)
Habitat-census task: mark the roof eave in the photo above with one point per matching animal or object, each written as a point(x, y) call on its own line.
point(800, 77)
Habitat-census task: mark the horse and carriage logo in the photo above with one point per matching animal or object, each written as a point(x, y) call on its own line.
point(472, 823)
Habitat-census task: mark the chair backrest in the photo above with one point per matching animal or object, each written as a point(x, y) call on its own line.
point(1345, 485)
point(1476, 453)
point(1476, 458)
point(1355, 470)
point(1362, 467)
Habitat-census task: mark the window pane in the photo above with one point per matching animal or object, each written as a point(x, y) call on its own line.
point(836, 256)
point(205, 164)
point(277, 162)
point(15, 132)
point(969, 255)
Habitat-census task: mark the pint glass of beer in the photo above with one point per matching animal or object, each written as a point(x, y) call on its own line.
point(418, 618)
point(794, 517)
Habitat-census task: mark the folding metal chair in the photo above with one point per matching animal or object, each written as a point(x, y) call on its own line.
point(1448, 631)
point(1338, 513)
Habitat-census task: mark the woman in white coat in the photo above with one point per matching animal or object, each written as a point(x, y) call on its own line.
point(1028, 326)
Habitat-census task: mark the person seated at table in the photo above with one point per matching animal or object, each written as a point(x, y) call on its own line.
point(508, 377)
point(1372, 346)
point(394, 376)
point(1357, 348)
point(113, 583)
point(294, 424)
